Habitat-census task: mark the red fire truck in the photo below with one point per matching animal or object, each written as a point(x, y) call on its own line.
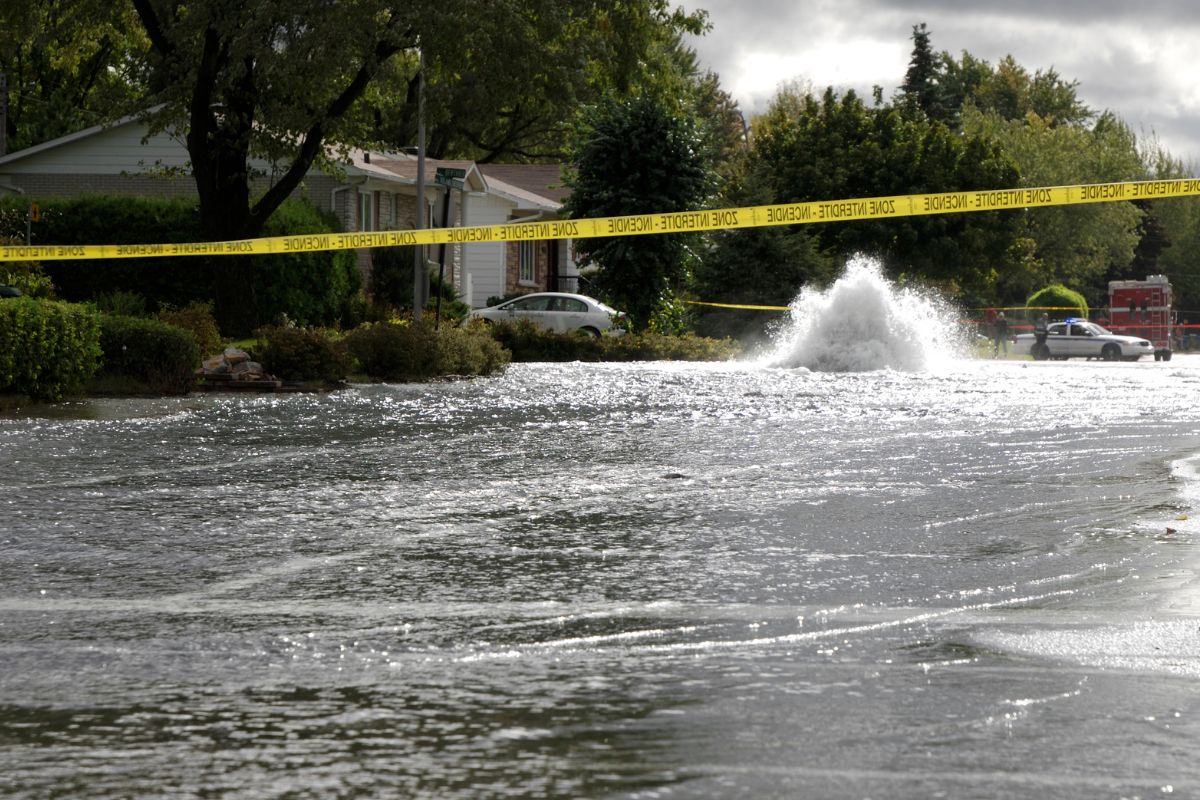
point(1142, 308)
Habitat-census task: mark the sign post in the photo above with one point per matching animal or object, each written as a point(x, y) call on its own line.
point(448, 178)
point(3, 113)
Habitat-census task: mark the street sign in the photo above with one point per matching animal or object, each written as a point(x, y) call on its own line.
point(450, 176)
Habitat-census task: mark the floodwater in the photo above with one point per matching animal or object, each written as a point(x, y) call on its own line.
point(857, 567)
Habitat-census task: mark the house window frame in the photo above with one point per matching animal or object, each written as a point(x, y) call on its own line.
point(527, 263)
point(366, 211)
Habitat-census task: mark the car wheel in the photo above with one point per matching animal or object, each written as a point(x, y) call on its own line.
point(1111, 352)
point(589, 331)
point(1040, 352)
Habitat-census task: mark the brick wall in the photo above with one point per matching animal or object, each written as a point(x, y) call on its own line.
point(512, 262)
point(72, 185)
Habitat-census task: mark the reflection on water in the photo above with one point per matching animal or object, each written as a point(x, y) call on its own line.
point(639, 580)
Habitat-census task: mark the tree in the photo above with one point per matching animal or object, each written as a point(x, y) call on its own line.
point(1013, 94)
point(959, 81)
point(264, 79)
point(922, 85)
point(508, 86)
point(1075, 245)
point(284, 80)
point(69, 64)
point(834, 148)
point(1179, 221)
point(637, 156)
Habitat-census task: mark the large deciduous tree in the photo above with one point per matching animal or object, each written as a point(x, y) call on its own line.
point(284, 80)
point(1074, 245)
point(275, 78)
point(508, 86)
point(833, 147)
point(69, 64)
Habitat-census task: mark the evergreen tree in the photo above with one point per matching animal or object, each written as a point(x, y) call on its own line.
point(637, 157)
point(922, 87)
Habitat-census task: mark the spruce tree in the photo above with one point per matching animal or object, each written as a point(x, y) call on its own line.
point(921, 87)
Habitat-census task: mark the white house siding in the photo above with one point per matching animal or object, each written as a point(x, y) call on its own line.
point(568, 271)
point(115, 161)
point(107, 152)
point(484, 261)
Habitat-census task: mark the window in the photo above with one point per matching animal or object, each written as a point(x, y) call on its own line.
point(528, 273)
point(531, 304)
point(366, 212)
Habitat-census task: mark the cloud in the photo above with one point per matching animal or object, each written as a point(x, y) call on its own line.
point(1133, 59)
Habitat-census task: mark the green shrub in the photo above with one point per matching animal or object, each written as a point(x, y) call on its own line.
point(98, 219)
point(148, 355)
point(527, 342)
point(47, 349)
point(302, 354)
point(312, 288)
point(394, 351)
point(392, 276)
point(659, 347)
point(392, 285)
point(120, 303)
point(28, 276)
point(1059, 297)
point(198, 319)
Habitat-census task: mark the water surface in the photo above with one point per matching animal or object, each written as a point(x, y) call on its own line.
point(958, 578)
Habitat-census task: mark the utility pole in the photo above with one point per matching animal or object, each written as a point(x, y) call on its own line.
point(420, 274)
point(3, 113)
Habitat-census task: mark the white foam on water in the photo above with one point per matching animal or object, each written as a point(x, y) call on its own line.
point(1170, 647)
point(864, 322)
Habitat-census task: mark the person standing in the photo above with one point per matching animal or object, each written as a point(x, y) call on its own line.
point(999, 335)
point(1041, 328)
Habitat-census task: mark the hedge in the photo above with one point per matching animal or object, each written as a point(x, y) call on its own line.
point(1060, 297)
point(302, 354)
point(47, 349)
point(310, 288)
point(155, 356)
point(527, 342)
point(398, 351)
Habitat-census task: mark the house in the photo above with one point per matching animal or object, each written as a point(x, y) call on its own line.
point(373, 191)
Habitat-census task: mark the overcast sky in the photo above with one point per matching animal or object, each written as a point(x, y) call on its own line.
point(1138, 59)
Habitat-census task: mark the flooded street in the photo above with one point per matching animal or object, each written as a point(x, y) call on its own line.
point(966, 578)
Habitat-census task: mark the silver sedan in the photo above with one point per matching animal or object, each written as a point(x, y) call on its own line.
point(560, 312)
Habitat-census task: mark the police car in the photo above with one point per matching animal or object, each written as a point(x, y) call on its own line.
point(1078, 338)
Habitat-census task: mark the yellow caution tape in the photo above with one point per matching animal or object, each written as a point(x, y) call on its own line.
point(789, 308)
point(737, 305)
point(1025, 308)
point(643, 224)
